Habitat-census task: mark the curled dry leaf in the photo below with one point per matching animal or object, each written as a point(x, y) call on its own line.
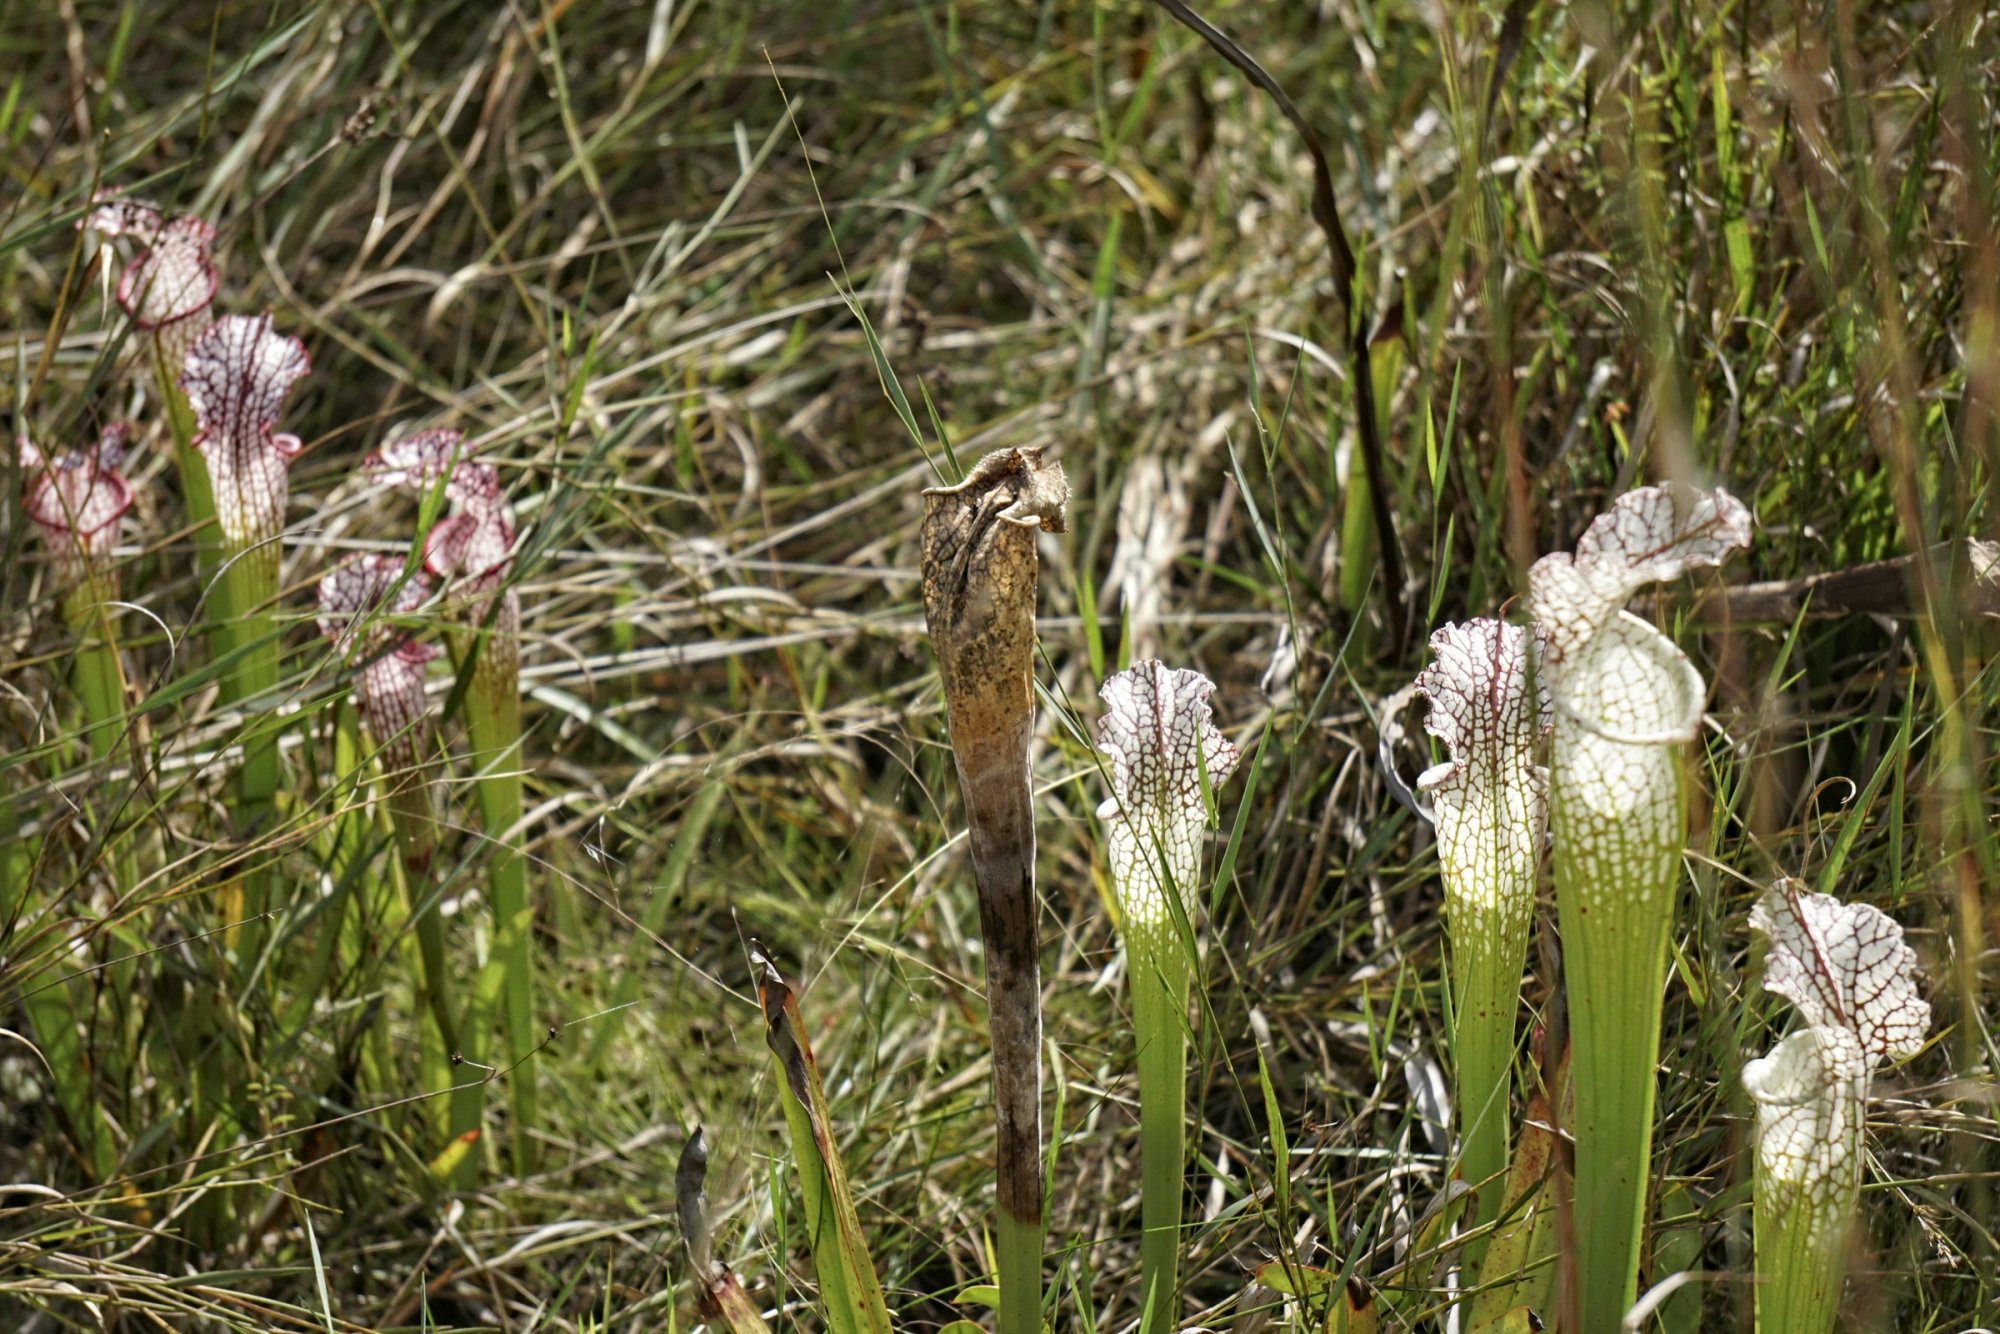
point(1162, 739)
point(77, 498)
point(236, 378)
point(691, 1201)
point(850, 1288)
point(720, 1297)
point(979, 575)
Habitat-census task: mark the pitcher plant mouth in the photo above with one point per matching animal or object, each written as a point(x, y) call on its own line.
point(979, 571)
point(358, 606)
point(1634, 687)
point(236, 378)
point(78, 500)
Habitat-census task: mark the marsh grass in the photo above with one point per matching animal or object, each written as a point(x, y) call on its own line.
point(1755, 247)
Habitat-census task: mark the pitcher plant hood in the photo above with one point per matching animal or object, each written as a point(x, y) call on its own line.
point(236, 378)
point(77, 498)
point(358, 604)
point(168, 286)
point(1163, 744)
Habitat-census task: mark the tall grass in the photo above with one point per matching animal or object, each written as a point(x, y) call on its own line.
point(1609, 245)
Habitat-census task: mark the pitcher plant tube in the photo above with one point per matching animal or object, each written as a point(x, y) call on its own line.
point(77, 500)
point(979, 576)
point(1489, 802)
point(365, 608)
point(470, 551)
point(166, 289)
point(1167, 757)
point(236, 377)
point(1845, 968)
point(1626, 703)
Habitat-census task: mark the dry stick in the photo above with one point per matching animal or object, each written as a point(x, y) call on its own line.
point(1326, 213)
point(979, 571)
point(1879, 588)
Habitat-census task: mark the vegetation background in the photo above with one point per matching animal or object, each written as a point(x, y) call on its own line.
point(629, 247)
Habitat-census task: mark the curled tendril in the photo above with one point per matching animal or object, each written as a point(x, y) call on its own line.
point(1161, 738)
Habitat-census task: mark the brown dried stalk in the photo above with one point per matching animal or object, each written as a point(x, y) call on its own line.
point(979, 572)
point(1879, 588)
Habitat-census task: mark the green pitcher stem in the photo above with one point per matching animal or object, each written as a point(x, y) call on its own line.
point(1801, 1252)
point(493, 721)
point(61, 1013)
point(411, 816)
point(1160, 987)
point(1486, 991)
point(197, 494)
point(248, 591)
point(1614, 891)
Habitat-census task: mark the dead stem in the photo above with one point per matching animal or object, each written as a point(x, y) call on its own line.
point(979, 571)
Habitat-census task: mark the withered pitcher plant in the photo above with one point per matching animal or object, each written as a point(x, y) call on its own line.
point(979, 576)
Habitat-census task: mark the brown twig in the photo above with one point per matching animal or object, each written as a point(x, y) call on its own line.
point(1326, 213)
point(1879, 588)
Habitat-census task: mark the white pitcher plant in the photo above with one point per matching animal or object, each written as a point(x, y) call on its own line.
point(1844, 966)
point(1167, 757)
point(469, 551)
point(167, 289)
point(1626, 702)
point(237, 376)
point(1489, 803)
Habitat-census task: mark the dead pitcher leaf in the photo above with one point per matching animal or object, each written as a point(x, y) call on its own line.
point(979, 581)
